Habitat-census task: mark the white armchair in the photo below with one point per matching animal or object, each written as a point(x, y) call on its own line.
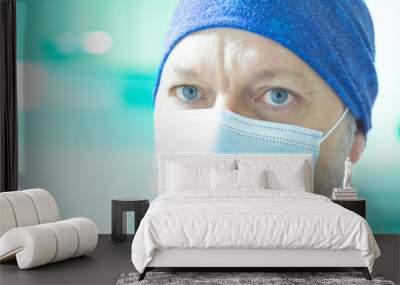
point(31, 230)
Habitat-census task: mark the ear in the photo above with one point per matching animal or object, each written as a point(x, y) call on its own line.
point(357, 147)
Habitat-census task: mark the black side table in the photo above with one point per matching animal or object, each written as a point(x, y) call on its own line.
point(357, 206)
point(119, 207)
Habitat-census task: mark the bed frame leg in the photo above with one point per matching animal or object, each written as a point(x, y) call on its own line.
point(143, 274)
point(364, 271)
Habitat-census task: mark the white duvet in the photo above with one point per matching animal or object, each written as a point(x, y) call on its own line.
point(251, 218)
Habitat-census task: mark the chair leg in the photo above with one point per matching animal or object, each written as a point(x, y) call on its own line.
point(142, 275)
point(364, 271)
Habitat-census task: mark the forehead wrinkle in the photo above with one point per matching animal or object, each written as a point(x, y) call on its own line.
point(234, 60)
point(223, 82)
point(278, 72)
point(237, 57)
point(250, 59)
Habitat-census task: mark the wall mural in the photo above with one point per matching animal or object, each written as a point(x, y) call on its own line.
point(88, 129)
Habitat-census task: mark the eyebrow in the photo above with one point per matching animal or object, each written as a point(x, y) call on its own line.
point(256, 76)
point(187, 73)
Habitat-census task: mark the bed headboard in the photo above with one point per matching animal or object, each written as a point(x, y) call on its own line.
point(214, 158)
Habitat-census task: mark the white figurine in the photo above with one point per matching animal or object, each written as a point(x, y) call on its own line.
point(347, 174)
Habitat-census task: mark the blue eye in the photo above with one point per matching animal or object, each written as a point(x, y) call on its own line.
point(187, 93)
point(277, 97)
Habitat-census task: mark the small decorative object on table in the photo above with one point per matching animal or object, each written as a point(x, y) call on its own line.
point(346, 192)
point(347, 195)
point(121, 205)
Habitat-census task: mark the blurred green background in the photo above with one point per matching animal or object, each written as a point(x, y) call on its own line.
point(86, 70)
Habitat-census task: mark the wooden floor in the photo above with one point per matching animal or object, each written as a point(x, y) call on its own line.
point(111, 259)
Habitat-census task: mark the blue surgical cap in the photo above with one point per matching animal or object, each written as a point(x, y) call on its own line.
point(334, 37)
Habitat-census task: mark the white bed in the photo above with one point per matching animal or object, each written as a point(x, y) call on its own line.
point(249, 227)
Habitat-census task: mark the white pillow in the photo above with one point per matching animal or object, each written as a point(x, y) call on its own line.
point(282, 174)
point(182, 177)
point(223, 179)
point(251, 178)
point(294, 178)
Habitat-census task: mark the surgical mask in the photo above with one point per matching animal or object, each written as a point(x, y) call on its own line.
point(222, 131)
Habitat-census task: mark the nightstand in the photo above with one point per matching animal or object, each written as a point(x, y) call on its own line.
point(358, 206)
point(119, 207)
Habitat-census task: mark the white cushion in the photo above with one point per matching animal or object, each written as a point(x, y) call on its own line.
point(40, 244)
point(168, 178)
point(23, 208)
point(31, 233)
point(27, 208)
point(45, 205)
point(7, 220)
point(66, 236)
point(229, 179)
point(223, 179)
point(87, 232)
point(293, 178)
point(182, 177)
point(281, 174)
point(251, 178)
point(31, 246)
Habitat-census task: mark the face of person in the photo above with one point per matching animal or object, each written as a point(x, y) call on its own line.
point(258, 78)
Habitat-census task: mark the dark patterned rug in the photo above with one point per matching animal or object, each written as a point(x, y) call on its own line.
point(229, 278)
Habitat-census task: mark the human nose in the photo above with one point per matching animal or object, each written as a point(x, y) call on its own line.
point(230, 103)
point(225, 101)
